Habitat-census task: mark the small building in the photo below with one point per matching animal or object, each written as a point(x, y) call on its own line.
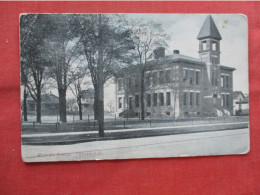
point(242, 106)
point(88, 101)
point(49, 104)
point(238, 96)
point(177, 85)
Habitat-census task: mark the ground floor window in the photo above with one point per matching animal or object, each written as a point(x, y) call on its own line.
point(191, 98)
point(185, 99)
point(155, 99)
point(130, 102)
point(161, 99)
point(168, 98)
point(148, 100)
point(197, 99)
point(137, 101)
point(120, 102)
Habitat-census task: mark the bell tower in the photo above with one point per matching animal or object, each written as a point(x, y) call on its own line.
point(209, 48)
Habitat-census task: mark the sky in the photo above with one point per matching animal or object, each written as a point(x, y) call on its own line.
point(184, 29)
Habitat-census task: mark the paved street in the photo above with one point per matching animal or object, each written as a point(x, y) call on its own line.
point(195, 144)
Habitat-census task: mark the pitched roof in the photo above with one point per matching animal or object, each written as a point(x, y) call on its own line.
point(237, 93)
point(209, 30)
point(88, 93)
point(46, 98)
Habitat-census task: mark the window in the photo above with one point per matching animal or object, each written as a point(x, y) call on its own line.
point(148, 114)
point(161, 99)
point(168, 98)
point(191, 77)
point(120, 102)
point(185, 75)
point(197, 77)
point(161, 77)
point(223, 100)
point(148, 100)
point(222, 81)
point(168, 113)
point(185, 99)
point(154, 78)
point(119, 84)
point(204, 45)
point(227, 101)
point(155, 99)
point(136, 100)
point(197, 99)
point(137, 83)
point(191, 98)
point(148, 79)
point(215, 95)
point(130, 83)
point(168, 76)
point(227, 81)
point(214, 46)
point(130, 102)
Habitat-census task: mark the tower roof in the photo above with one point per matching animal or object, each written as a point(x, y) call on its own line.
point(209, 30)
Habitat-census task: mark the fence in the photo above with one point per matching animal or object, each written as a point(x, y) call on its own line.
point(124, 123)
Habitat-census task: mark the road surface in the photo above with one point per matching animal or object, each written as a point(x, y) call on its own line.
point(192, 144)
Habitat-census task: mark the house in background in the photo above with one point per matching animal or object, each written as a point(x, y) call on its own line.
point(88, 101)
point(178, 85)
point(49, 104)
point(240, 103)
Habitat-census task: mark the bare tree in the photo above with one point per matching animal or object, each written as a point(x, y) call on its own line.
point(78, 85)
point(105, 46)
point(33, 62)
point(147, 37)
point(63, 49)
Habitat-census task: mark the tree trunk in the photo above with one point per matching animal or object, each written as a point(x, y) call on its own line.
point(62, 105)
point(38, 108)
point(25, 104)
point(80, 109)
point(142, 96)
point(95, 106)
point(100, 107)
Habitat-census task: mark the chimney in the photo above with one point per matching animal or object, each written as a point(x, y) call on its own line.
point(159, 53)
point(176, 51)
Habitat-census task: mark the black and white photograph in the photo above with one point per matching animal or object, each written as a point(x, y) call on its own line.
point(129, 86)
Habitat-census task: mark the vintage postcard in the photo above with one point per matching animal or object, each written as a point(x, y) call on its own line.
point(121, 86)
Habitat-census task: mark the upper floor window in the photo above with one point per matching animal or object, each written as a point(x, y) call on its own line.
point(222, 81)
point(120, 84)
point(191, 77)
point(154, 78)
point(148, 79)
point(197, 75)
point(161, 77)
point(204, 45)
point(227, 81)
point(168, 76)
point(130, 83)
point(185, 75)
point(214, 46)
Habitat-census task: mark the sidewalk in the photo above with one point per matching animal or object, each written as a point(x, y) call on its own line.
point(88, 136)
